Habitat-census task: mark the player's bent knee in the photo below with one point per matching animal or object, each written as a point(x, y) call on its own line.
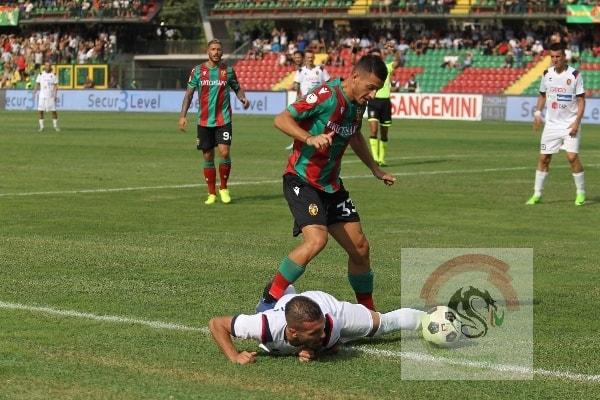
point(361, 250)
point(316, 244)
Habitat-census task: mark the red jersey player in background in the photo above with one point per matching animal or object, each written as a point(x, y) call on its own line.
point(213, 80)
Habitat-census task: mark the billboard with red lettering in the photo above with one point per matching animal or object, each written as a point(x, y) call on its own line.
point(465, 107)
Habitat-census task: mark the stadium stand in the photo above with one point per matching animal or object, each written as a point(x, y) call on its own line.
point(92, 10)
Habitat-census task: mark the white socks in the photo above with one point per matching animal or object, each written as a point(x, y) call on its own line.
point(402, 319)
point(55, 123)
point(579, 182)
point(41, 122)
point(540, 177)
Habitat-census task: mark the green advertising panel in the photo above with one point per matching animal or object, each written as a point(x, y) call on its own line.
point(583, 14)
point(9, 16)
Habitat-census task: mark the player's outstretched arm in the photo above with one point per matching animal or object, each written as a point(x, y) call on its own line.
point(185, 105)
point(220, 329)
point(359, 146)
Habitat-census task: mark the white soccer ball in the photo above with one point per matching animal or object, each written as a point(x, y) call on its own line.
point(441, 326)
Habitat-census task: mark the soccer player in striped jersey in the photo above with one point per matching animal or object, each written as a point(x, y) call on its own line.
point(322, 125)
point(213, 80)
point(562, 90)
point(307, 325)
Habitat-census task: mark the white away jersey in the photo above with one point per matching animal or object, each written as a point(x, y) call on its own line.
point(310, 78)
point(268, 328)
point(48, 82)
point(561, 96)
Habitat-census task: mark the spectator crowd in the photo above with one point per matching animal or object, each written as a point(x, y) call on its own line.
point(415, 39)
point(23, 55)
point(91, 9)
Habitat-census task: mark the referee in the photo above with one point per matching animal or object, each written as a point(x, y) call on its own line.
point(380, 109)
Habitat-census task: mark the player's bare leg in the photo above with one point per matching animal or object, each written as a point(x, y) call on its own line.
point(41, 121)
point(373, 141)
point(210, 175)
point(352, 239)
point(578, 177)
point(292, 267)
point(55, 121)
point(543, 166)
point(224, 171)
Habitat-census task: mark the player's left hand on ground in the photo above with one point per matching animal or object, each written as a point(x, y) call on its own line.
point(246, 357)
point(182, 124)
point(306, 355)
point(388, 179)
point(245, 102)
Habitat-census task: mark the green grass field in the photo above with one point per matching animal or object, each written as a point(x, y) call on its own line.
point(106, 217)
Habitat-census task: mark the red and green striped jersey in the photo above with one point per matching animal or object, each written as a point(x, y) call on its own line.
point(326, 109)
point(213, 85)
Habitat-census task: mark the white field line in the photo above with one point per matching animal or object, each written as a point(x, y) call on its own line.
point(263, 182)
point(417, 357)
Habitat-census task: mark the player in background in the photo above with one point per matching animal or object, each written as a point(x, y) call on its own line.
point(562, 89)
point(308, 77)
point(307, 325)
point(380, 108)
point(213, 80)
point(46, 91)
point(322, 125)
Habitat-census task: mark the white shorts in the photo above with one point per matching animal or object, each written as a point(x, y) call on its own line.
point(46, 104)
point(554, 140)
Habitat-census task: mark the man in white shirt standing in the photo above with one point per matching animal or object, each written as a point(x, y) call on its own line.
point(308, 77)
point(46, 89)
point(562, 88)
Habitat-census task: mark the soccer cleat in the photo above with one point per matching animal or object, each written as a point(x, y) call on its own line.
point(264, 305)
point(225, 197)
point(382, 163)
point(41, 130)
point(290, 147)
point(580, 199)
point(57, 129)
point(211, 199)
point(534, 200)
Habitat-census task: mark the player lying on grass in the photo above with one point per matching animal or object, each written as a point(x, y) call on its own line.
point(307, 325)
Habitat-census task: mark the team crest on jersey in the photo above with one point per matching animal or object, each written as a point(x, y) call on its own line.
point(313, 210)
point(204, 72)
point(323, 90)
point(311, 98)
point(223, 72)
point(568, 81)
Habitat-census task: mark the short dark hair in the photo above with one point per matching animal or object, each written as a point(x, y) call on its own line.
point(557, 47)
point(299, 52)
point(302, 309)
point(214, 41)
point(373, 65)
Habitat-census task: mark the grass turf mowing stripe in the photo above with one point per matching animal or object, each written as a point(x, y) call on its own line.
point(424, 358)
point(244, 183)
